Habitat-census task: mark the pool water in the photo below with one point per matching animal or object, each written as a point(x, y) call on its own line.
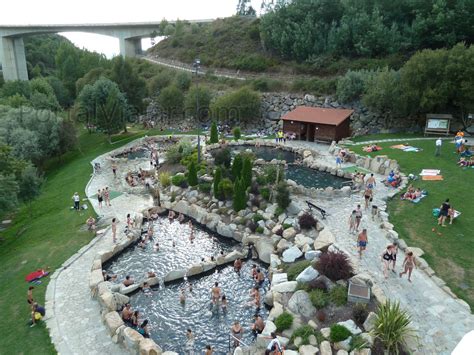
point(168, 318)
point(269, 153)
point(308, 177)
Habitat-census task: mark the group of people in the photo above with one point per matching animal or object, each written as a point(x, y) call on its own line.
point(281, 137)
point(393, 179)
point(103, 196)
point(412, 193)
point(37, 311)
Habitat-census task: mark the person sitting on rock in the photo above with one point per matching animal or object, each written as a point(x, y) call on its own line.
point(127, 314)
point(258, 324)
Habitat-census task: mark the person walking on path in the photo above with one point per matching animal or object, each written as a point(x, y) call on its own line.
point(352, 222)
point(438, 143)
point(368, 197)
point(107, 197)
point(408, 264)
point(114, 169)
point(394, 256)
point(443, 212)
point(76, 200)
point(358, 216)
point(362, 241)
point(114, 230)
point(386, 258)
point(99, 198)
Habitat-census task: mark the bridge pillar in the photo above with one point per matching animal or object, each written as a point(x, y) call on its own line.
point(13, 59)
point(130, 47)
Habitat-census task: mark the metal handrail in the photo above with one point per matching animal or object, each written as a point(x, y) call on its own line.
point(232, 337)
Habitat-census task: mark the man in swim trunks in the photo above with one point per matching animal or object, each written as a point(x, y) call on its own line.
point(259, 278)
point(127, 314)
point(128, 281)
point(237, 265)
point(371, 182)
point(362, 241)
point(216, 293)
point(30, 299)
point(258, 325)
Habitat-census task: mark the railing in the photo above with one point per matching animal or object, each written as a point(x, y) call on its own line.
point(232, 339)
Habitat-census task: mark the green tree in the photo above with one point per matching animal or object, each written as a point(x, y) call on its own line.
point(244, 8)
point(242, 105)
point(8, 193)
point(352, 85)
point(129, 82)
point(237, 167)
point(214, 133)
point(237, 133)
point(239, 199)
point(29, 185)
point(171, 101)
point(198, 98)
point(159, 82)
point(68, 65)
point(192, 174)
point(247, 173)
point(282, 195)
point(183, 81)
point(217, 180)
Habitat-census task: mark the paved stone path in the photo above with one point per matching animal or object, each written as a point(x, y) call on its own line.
point(401, 140)
point(73, 317)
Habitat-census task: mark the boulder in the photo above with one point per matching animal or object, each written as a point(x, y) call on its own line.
point(351, 326)
point(307, 275)
point(343, 345)
point(290, 352)
point(368, 338)
point(120, 299)
point(268, 298)
point(313, 325)
point(312, 254)
point(112, 322)
point(324, 239)
point(128, 289)
point(195, 269)
point(149, 347)
point(293, 209)
point(270, 327)
point(325, 348)
point(131, 339)
point(301, 240)
point(291, 254)
point(264, 248)
point(276, 311)
point(313, 340)
point(175, 275)
point(289, 286)
point(342, 352)
point(279, 278)
point(308, 350)
point(298, 341)
point(326, 332)
point(282, 245)
point(362, 279)
point(95, 279)
point(329, 284)
point(107, 301)
point(225, 230)
point(370, 322)
point(274, 261)
point(364, 351)
point(300, 303)
point(289, 233)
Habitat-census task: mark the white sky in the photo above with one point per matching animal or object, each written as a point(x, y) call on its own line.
point(105, 11)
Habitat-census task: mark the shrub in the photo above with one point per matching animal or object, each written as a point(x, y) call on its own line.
point(304, 332)
point(265, 193)
point(237, 133)
point(279, 211)
point(192, 174)
point(214, 133)
point(237, 167)
point(259, 229)
point(240, 196)
point(321, 315)
point(171, 101)
point(296, 268)
point(222, 157)
point(225, 189)
point(357, 343)
point(307, 221)
point(217, 180)
point(339, 333)
point(287, 225)
point(165, 179)
point(392, 326)
point(173, 197)
point(261, 180)
point(284, 321)
point(179, 180)
point(204, 187)
point(318, 298)
point(246, 172)
point(334, 265)
point(338, 295)
point(352, 85)
point(317, 285)
point(360, 313)
point(179, 151)
point(242, 105)
point(257, 217)
point(271, 174)
point(283, 195)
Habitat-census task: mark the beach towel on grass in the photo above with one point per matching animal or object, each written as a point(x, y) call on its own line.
point(423, 195)
point(370, 150)
point(399, 146)
point(411, 149)
point(430, 172)
point(432, 178)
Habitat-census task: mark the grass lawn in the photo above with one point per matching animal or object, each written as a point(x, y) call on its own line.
point(451, 253)
point(47, 238)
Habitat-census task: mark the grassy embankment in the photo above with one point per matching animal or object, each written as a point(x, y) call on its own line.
point(448, 253)
point(46, 238)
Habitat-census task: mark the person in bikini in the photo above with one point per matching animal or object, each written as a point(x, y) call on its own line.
point(352, 222)
point(386, 258)
point(408, 264)
point(368, 196)
point(358, 217)
point(236, 331)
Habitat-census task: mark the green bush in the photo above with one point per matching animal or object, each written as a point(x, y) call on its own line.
point(246, 172)
point(271, 174)
point(352, 85)
point(222, 157)
point(240, 196)
point(165, 179)
point(237, 133)
point(282, 195)
point(261, 180)
point(171, 101)
point(304, 332)
point(264, 84)
point(392, 326)
point(183, 80)
point(204, 187)
point(284, 321)
point(257, 217)
point(225, 189)
point(179, 180)
point(237, 167)
point(252, 62)
point(357, 343)
point(296, 268)
point(265, 192)
point(339, 333)
point(338, 295)
point(360, 313)
point(319, 298)
point(286, 225)
point(217, 180)
point(259, 229)
point(242, 105)
point(279, 211)
point(192, 174)
point(178, 152)
point(214, 133)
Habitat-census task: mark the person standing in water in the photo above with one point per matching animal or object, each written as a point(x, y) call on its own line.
point(189, 346)
point(216, 293)
point(408, 264)
point(236, 331)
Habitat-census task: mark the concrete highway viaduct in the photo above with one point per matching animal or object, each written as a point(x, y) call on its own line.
point(12, 48)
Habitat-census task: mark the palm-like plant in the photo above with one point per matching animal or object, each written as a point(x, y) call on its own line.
point(392, 327)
